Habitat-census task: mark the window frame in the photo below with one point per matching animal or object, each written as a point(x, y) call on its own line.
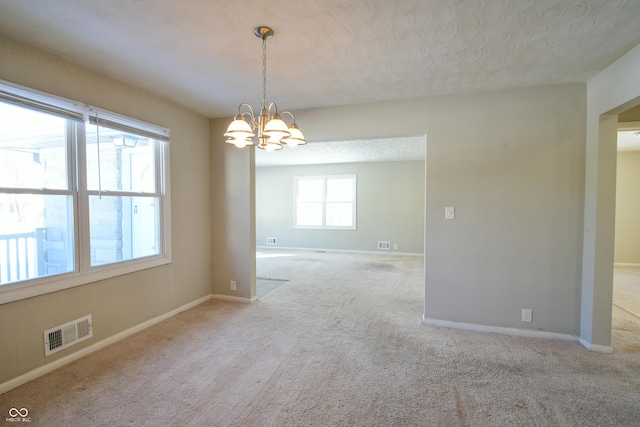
point(325, 202)
point(83, 273)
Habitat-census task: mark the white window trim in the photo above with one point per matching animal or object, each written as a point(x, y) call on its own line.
point(84, 273)
point(324, 227)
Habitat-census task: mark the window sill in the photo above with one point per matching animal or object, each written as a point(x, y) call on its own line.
point(322, 227)
point(31, 288)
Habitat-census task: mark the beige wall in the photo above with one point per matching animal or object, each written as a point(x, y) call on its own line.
point(390, 207)
point(233, 216)
point(512, 164)
point(627, 238)
point(125, 301)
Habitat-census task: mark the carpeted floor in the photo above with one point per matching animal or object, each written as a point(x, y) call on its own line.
point(265, 286)
point(625, 323)
point(340, 344)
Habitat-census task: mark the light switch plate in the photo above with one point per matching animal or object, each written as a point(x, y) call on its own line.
point(450, 212)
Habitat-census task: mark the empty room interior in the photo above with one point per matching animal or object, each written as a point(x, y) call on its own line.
point(320, 213)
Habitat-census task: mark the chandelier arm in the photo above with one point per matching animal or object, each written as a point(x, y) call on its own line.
point(246, 104)
point(289, 113)
point(251, 115)
point(275, 107)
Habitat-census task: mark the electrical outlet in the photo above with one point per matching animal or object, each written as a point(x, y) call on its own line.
point(450, 212)
point(233, 285)
point(395, 246)
point(527, 315)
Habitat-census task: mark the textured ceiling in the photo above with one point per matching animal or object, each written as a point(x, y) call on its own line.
point(355, 151)
point(202, 53)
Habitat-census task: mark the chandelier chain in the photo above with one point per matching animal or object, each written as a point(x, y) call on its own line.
point(264, 71)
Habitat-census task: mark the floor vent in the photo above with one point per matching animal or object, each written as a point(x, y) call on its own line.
point(384, 245)
point(63, 336)
point(271, 240)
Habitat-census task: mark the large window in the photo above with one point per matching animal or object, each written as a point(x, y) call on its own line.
point(325, 202)
point(83, 193)
point(36, 195)
point(124, 194)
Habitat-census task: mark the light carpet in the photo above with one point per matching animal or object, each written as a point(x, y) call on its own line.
point(265, 286)
point(625, 324)
point(340, 344)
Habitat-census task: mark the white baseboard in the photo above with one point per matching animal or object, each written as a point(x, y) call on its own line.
point(499, 330)
point(626, 264)
point(594, 347)
point(380, 252)
point(49, 367)
point(234, 299)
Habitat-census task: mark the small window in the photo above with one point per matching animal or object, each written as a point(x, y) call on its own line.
point(327, 202)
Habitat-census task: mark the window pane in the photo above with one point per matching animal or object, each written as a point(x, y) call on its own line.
point(339, 214)
point(127, 161)
point(340, 189)
point(123, 228)
point(310, 190)
point(309, 214)
point(36, 236)
point(33, 149)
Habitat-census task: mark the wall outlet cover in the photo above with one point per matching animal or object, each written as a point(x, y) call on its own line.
point(450, 212)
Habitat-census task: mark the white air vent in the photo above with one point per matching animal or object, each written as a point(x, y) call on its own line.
point(271, 240)
point(63, 336)
point(384, 245)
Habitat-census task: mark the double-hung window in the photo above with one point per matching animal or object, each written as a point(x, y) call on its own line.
point(83, 193)
point(124, 189)
point(327, 202)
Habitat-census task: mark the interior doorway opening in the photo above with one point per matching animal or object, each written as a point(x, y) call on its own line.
point(625, 319)
point(396, 163)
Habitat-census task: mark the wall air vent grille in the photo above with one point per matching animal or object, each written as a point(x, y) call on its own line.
point(63, 336)
point(384, 245)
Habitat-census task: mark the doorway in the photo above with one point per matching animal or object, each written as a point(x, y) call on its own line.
point(625, 321)
point(378, 219)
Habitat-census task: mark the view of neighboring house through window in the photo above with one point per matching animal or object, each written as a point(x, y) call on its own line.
point(74, 194)
point(325, 202)
point(123, 196)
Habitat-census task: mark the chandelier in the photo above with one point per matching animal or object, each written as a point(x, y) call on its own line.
point(270, 130)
